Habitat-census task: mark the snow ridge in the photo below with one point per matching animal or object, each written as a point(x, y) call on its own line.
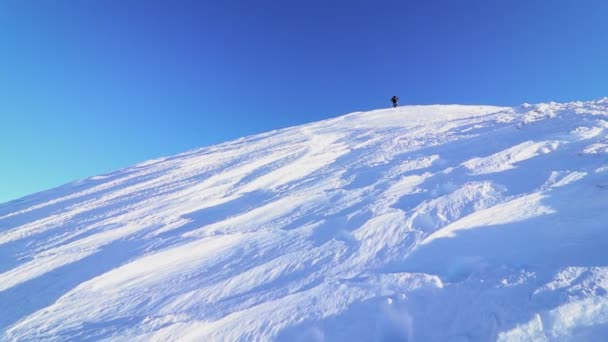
point(421, 223)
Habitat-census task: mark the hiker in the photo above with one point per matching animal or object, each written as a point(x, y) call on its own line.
point(395, 100)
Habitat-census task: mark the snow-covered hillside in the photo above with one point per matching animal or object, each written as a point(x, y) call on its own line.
point(422, 223)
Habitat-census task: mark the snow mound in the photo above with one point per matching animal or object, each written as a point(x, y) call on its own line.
point(421, 223)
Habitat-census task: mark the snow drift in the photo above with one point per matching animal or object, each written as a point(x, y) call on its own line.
point(421, 223)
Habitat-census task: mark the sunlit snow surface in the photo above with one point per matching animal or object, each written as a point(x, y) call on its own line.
point(422, 223)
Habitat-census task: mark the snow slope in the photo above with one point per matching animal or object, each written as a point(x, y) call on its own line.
point(422, 223)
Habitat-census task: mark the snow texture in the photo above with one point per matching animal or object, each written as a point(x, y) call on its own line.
point(420, 223)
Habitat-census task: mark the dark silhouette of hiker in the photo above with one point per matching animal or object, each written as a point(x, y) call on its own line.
point(395, 100)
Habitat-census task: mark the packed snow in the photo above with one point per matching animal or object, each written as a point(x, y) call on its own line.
point(420, 223)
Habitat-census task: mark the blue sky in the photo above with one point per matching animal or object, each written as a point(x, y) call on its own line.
point(87, 87)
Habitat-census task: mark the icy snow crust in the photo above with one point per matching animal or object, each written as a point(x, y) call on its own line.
point(425, 223)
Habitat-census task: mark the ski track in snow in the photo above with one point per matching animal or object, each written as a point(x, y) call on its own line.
point(421, 223)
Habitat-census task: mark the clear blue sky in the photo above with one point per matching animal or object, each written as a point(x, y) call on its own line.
point(90, 86)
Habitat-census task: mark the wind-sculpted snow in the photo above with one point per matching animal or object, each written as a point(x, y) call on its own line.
point(422, 223)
